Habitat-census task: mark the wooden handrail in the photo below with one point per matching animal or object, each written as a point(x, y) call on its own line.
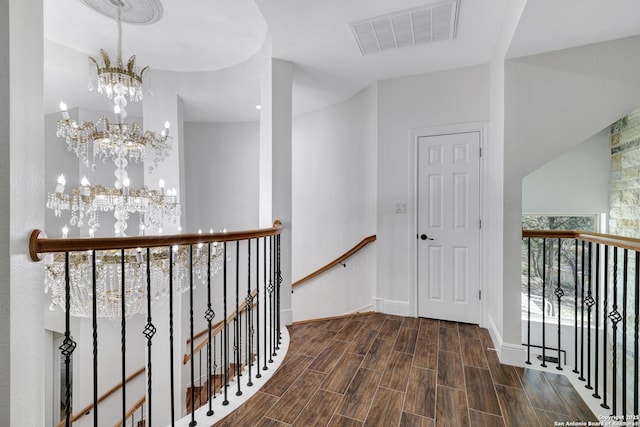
point(108, 393)
point(215, 329)
point(605, 239)
point(364, 242)
point(39, 244)
point(133, 410)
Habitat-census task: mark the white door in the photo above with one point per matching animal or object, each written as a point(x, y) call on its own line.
point(449, 227)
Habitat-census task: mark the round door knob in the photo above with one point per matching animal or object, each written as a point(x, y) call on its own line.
point(425, 237)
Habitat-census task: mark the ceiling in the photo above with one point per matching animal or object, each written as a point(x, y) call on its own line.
point(202, 42)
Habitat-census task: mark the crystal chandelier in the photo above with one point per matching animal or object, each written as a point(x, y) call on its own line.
point(119, 142)
point(109, 278)
point(110, 76)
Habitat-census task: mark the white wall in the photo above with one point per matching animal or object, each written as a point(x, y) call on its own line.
point(576, 182)
point(222, 175)
point(21, 144)
point(553, 102)
point(334, 205)
point(441, 98)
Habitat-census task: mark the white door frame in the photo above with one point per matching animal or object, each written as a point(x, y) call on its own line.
point(482, 128)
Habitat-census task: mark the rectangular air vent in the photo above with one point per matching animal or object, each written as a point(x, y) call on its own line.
point(426, 24)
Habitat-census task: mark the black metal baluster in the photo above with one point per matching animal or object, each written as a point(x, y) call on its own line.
point(258, 374)
point(238, 344)
point(575, 312)
point(265, 308)
point(624, 333)
point(225, 350)
point(635, 335)
point(123, 337)
point(94, 318)
point(559, 294)
point(249, 304)
point(271, 305)
point(615, 317)
point(589, 301)
point(209, 315)
point(193, 421)
point(597, 325)
point(581, 377)
point(528, 362)
point(68, 345)
point(605, 316)
point(149, 332)
point(544, 294)
point(171, 372)
point(279, 282)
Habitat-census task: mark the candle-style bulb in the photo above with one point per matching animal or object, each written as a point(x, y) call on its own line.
point(63, 109)
point(84, 182)
point(65, 232)
point(61, 180)
point(126, 182)
point(161, 183)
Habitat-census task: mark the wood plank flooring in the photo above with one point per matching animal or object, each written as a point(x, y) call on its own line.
point(384, 370)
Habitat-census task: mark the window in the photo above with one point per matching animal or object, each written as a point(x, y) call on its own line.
point(544, 263)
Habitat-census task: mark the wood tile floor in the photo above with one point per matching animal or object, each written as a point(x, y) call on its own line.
point(383, 370)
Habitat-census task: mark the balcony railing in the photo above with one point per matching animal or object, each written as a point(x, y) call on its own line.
point(246, 290)
point(581, 311)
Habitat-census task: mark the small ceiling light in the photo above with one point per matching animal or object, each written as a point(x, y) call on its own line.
point(258, 107)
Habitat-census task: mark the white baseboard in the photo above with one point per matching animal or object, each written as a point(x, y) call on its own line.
point(399, 308)
point(509, 354)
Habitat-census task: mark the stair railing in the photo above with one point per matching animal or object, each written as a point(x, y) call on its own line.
point(261, 277)
point(581, 301)
point(338, 261)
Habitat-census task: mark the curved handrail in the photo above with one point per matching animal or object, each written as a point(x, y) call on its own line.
point(588, 236)
point(39, 244)
point(364, 242)
point(87, 409)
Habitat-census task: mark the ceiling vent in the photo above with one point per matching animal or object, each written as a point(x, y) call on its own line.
point(426, 24)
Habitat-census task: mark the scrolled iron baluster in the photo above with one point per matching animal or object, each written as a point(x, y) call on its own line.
point(249, 305)
point(68, 344)
point(209, 315)
point(149, 332)
point(559, 294)
point(615, 317)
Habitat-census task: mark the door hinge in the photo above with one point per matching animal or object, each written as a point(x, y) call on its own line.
point(480, 151)
point(479, 294)
point(480, 223)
